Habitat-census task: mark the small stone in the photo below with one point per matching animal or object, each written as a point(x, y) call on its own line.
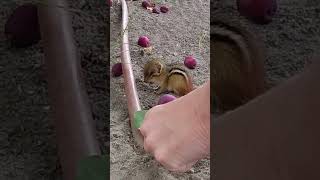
point(147, 51)
point(46, 107)
point(156, 10)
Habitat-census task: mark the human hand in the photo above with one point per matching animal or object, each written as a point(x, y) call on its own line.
point(175, 136)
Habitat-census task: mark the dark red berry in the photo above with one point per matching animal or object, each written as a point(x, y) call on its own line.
point(117, 69)
point(190, 62)
point(260, 12)
point(146, 4)
point(109, 3)
point(144, 41)
point(22, 28)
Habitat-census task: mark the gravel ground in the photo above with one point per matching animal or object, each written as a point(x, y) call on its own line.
point(292, 37)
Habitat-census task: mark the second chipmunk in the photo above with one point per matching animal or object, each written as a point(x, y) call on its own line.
point(172, 78)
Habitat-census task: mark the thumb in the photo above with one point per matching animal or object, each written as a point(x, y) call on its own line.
point(182, 168)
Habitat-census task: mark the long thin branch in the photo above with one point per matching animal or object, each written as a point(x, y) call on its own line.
point(130, 86)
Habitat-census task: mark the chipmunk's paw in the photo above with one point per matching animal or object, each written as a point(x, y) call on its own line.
point(162, 91)
point(159, 91)
point(154, 86)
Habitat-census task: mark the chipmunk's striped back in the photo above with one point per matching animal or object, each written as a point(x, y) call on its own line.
point(183, 72)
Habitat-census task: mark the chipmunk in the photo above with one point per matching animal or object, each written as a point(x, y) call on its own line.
point(237, 64)
point(172, 78)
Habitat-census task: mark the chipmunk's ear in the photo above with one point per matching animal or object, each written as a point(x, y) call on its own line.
point(160, 68)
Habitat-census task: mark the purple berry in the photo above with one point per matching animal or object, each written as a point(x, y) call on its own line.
point(166, 98)
point(260, 12)
point(109, 3)
point(144, 41)
point(146, 4)
point(117, 69)
point(164, 9)
point(22, 28)
point(190, 62)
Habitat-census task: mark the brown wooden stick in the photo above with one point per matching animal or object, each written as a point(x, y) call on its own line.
point(72, 116)
point(130, 87)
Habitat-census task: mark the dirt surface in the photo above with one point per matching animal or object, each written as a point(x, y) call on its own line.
point(174, 35)
point(292, 37)
point(27, 136)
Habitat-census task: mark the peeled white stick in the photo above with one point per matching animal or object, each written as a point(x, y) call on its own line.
point(130, 86)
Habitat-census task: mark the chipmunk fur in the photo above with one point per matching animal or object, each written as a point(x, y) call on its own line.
point(173, 78)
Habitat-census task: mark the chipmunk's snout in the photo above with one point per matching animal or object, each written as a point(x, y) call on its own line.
point(149, 80)
point(146, 79)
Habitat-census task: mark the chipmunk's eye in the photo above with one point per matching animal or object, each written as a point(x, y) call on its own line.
point(150, 73)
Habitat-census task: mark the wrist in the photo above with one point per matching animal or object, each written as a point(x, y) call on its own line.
point(202, 115)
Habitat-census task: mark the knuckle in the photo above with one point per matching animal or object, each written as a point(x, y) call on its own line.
point(148, 144)
point(143, 131)
point(175, 167)
point(165, 160)
point(161, 157)
point(148, 140)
